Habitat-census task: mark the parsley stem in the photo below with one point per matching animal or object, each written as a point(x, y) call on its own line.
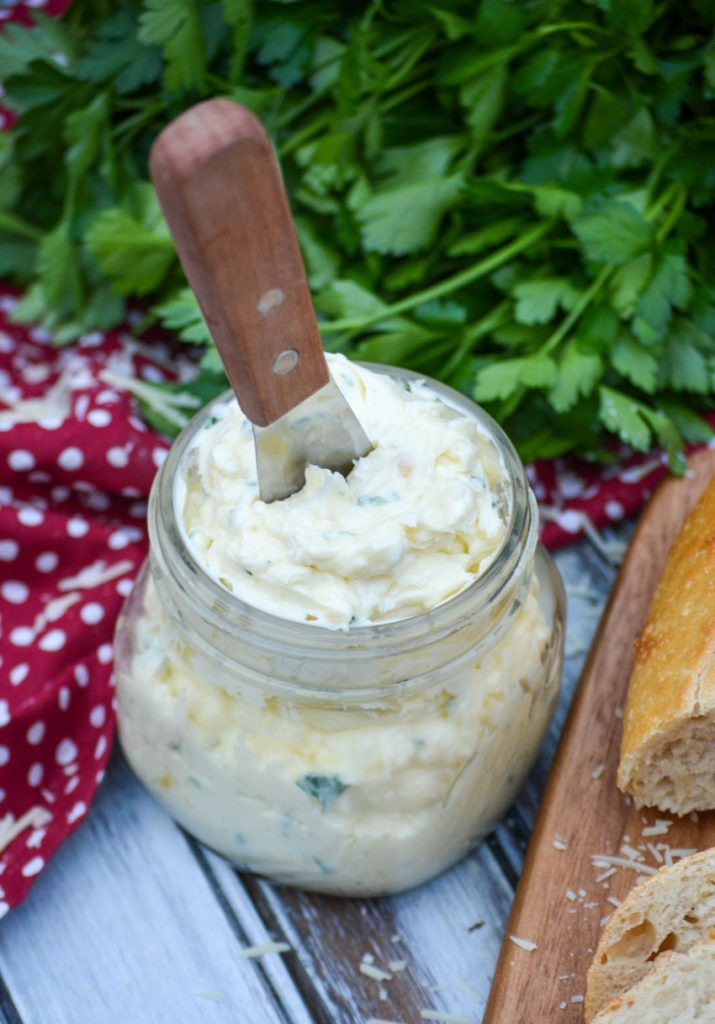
point(674, 216)
point(9, 222)
point(312, 128)
point(583, 302)
point(662, 201)
point(485, 325)
point(404, 94)
point(451, 284)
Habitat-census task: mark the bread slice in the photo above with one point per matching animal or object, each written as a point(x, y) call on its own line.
point(668, 746)
point(671, 910)
point(679, 990)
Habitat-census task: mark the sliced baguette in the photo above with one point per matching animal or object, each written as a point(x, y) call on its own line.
point(680, 989)
point(668, 746)
point(669, 911)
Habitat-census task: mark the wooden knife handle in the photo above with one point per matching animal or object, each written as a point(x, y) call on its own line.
point(221, 191)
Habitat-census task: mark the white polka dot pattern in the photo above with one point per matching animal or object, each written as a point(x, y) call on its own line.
point(47, 561)
point(63, 511)
point(70, 458)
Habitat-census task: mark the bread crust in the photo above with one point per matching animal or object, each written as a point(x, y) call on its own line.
point(673, 677)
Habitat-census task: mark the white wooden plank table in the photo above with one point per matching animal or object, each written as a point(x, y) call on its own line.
point(133, 921)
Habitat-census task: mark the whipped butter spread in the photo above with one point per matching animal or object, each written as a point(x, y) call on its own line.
point(353, 800)
point(415, 522)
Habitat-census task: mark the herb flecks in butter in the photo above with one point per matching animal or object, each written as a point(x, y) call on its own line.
point(418, 519)
point(323, 788)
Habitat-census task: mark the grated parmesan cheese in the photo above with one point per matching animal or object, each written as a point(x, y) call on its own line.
point(263, 949)
point(559, 843)
point(467, 989)
point(603, 860)
point(526, 944)
point(659, 829)
point(682, 853)
point(11, 827)
point(95, 574)
point(370, 971)
point(396, 966)
point(614, 900)
point(445, 1018)
point(597, 771)
point(576, 999)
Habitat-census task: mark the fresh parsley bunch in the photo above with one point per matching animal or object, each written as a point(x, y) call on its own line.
point(513, 197)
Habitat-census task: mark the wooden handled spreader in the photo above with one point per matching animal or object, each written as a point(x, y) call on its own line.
point(220, 189)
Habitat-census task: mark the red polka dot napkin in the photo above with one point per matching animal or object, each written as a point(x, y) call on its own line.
point(76, 465)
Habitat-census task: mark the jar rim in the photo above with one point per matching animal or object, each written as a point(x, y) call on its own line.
point(226, 610)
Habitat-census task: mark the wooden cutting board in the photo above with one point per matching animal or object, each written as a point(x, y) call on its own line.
point(560, 901)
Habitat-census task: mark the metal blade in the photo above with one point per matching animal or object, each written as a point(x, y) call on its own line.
point(321, 431)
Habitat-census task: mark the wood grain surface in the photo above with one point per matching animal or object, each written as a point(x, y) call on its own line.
point(563, 896)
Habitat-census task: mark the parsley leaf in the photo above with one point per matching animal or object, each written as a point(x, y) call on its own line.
point(502, 379)
point(175, 26)
point(406, 219)
point(135, 254)
point(324, 788)
point(513, 199)
point(615, 233)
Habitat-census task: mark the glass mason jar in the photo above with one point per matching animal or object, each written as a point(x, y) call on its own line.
point(357, 762)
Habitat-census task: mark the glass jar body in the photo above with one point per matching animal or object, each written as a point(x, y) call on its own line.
point(359, 763)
